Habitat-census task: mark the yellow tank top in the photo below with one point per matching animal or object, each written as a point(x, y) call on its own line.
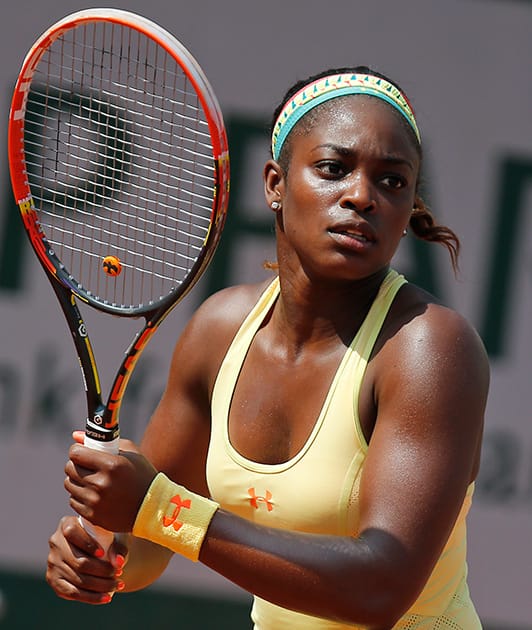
point(317, 490)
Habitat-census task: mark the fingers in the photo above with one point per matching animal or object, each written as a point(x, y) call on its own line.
point(88, 481)
point(118, 558)
point(83, 497)
point(107, 489)
point(89, 458)
point(82, 508)
point(78, 437)
point(81, 543)
point(74, 570)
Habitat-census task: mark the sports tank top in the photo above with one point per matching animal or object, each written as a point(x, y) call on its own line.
point(317, 490)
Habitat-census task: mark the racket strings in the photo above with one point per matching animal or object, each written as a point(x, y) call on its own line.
point(120, 162)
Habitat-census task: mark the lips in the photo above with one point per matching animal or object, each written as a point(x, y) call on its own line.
point(360, 231)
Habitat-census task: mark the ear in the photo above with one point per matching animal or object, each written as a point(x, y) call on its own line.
point(273, 182)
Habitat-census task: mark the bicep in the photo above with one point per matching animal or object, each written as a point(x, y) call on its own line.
point(424, 448)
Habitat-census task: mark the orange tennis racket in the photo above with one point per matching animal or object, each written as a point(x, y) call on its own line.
point(119, 165)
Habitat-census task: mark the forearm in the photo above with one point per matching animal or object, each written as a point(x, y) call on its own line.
point(146, 562)
point(355, 580)
point(339, 578)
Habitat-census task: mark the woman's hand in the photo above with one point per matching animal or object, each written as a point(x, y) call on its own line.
point(76, 570)
point(106, 489)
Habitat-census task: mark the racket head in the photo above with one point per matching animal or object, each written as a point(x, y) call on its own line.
point(119, 161)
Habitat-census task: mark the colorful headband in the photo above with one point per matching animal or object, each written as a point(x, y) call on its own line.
point(335, 86)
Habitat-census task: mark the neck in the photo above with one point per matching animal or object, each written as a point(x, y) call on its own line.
point(314, 312)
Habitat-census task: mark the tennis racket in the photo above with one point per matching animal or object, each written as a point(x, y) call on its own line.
point(119, 164)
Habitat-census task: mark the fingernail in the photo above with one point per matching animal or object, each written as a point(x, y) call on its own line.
point(120, 561)
point(105, 599)
point(120, 586)
point(78, 436)
point(99, 553)
point(118, 572)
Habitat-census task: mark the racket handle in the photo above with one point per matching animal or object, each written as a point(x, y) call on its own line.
point(106, 447)
point(104, 537)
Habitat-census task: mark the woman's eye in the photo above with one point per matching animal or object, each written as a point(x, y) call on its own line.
point(331, 168)
point(393, 181)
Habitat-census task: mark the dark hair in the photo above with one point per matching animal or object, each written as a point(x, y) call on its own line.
point(422, 222)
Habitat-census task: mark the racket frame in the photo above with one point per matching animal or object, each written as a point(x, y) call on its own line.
point(102, 421)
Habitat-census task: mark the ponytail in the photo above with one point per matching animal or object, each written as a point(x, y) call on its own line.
point(424, 226)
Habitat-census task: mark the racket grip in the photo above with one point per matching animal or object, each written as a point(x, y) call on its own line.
point(105, 538)
point(106, 447)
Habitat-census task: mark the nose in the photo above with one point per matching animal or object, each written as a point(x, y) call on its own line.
point(358, 193)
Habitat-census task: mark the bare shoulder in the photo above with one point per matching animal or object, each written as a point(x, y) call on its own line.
point(421, 325)
point(427, 387)
point(208, 334)
point(431, 354)
point(225, 310)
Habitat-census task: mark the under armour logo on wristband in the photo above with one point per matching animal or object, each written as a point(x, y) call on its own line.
point(172, 520)
point(172, 516)
point(255, 500)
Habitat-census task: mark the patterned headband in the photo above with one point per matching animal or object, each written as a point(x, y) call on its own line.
point(335, 86)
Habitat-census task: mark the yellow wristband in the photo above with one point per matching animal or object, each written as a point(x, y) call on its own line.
point(173, 517)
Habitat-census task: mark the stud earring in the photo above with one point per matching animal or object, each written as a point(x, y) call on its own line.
point(275, 205)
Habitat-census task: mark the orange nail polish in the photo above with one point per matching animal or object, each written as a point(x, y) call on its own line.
point(120, 586)
point(78, 436)
point(105, 599)
point(120, 561)
point(99, 553)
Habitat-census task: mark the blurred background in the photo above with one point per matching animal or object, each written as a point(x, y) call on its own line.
point(465, 64)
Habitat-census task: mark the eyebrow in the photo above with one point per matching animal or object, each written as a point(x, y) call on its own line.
point(347, 152)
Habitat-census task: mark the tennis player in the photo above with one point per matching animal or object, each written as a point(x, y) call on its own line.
point(319, 436)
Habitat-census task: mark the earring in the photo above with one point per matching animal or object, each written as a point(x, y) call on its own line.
point(405, 232)
point(275, 205)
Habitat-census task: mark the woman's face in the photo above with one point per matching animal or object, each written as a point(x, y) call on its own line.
point(349, 190)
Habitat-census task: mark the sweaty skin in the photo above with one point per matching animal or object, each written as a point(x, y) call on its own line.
point(345, 203)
